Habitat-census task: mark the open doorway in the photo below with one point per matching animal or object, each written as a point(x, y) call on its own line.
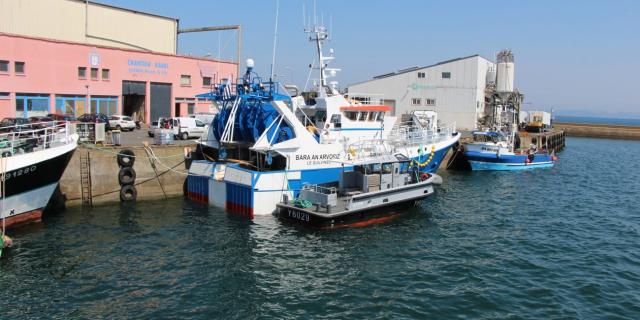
point(176, 109)
point(133, 99)
point(133, 106)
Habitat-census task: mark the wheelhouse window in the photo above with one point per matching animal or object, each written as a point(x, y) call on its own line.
point(430, 102)
point(351, 115)
point(4, 66)
point(82, 72)
point(94, 73)
point(105, 74)
point(19, 67)
point(446, 75)
point(416, 101)
point(185, 80)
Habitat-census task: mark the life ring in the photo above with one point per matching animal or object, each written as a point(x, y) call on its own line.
point(126, 176)
point(126, 158)
point(128, 193)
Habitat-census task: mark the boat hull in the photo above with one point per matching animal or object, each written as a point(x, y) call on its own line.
point(31, 183)
point(250, 193)
point(484, 161)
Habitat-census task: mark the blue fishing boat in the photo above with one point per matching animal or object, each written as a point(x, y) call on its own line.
point(493, 150)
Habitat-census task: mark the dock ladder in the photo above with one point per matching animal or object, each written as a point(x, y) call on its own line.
point(85, 179)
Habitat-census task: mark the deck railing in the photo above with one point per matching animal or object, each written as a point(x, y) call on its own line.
point(20, 139)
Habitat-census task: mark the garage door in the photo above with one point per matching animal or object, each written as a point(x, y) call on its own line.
point(160, 100)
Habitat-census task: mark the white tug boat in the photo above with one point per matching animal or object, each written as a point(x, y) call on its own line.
point(32, 162)
point(380, 183)
point(268, 141)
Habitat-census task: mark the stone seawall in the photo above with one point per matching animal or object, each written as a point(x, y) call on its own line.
point(105, 187)
point(599, 130)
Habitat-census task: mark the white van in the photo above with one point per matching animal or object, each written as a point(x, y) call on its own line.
point(185, 128)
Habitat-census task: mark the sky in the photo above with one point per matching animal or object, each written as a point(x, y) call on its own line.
point(577, 57)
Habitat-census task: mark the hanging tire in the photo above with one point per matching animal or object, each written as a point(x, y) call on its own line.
point(126, 176)
point(128, 193)
point(126, 158)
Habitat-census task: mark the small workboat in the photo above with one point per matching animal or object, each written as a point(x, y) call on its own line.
point(493, 150)
point(363, 193)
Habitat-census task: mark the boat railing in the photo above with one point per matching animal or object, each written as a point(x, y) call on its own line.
point(408, 133)
point(319, 189)
point(359, 98)
point(20, 139)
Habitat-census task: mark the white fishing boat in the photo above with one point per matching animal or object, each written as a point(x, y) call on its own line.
point(267, 141)
point(32, 162)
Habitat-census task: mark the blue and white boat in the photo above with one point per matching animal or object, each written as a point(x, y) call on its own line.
point(493, 150)
point(268, 141)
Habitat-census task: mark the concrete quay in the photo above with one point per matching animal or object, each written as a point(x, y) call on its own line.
point(607, 131)
point(165, 181)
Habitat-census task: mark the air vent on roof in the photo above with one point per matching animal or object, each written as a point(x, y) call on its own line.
point(408, 69)
point(384, 75)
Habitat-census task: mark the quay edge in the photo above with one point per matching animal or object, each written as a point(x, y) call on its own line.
point(104, 174)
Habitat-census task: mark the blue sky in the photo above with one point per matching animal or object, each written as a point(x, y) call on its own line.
point(577, 57)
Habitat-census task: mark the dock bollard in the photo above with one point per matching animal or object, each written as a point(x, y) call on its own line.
point(127, 175)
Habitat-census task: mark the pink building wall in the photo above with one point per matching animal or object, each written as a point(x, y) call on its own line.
point(51, 67)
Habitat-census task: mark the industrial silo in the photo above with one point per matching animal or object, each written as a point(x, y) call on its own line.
point(504, 82)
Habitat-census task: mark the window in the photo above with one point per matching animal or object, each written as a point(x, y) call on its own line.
point(31, 105)
point(351, 115)
point(71, 105)
point(430, 102)
point(206, 81)
point(19, 67)
point(446, 75)
point(4, 95)
point(191, 108)
point(199, 123)
point(105, 105)
point(185, 80)
point(82, 72)
point(94, 73)
point(416, 101)
point(105, 74)
point(4, 66)
point(422, 75)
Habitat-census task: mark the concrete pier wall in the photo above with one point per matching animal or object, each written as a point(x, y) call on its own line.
point(104, 174)
point(599, 130)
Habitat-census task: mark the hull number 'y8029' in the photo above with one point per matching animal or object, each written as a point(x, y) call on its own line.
point(302, 216)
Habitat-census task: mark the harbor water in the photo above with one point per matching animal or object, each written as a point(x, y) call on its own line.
point(549, 243)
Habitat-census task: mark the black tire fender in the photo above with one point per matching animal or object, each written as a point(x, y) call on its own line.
point(126, 158)
point(126, 176)
point(128, 193)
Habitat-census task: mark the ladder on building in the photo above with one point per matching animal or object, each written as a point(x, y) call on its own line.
point(85, 179)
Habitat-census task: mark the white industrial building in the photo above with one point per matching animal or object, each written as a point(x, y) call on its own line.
point(454, 88)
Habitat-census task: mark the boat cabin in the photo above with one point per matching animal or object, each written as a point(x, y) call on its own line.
point(381, 174)
point(488, 136)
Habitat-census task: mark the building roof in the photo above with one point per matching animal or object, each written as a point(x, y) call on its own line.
point(411, 69)
point(128, 10)
point(417, 68)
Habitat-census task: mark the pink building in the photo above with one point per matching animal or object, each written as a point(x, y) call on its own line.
point(40, 76)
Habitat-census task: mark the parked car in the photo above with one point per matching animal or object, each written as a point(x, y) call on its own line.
point(40, 122)
point(121, 122)
point(205, 117)
point(9, 124)
point(185, 128)
point(61, 117)
point(154, 125)
point(95, 118)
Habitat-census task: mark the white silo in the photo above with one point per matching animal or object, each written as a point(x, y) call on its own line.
point(491, 74)
point(504, 81)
